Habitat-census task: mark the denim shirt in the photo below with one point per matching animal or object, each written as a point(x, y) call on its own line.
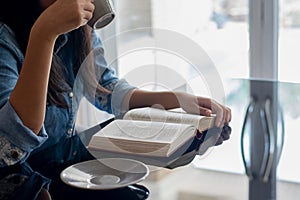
point(17, 141)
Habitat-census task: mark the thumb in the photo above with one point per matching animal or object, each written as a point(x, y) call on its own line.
point(204, 111)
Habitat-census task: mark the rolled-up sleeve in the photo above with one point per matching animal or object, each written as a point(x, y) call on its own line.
point(10, 154)
point(16, 140)
point(121, 89)
point(16, 132)
point(110, 102)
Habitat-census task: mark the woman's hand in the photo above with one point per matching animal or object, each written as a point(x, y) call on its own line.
point(59, 17)
point(63, 16)
point(188, 102)
point(204, 106)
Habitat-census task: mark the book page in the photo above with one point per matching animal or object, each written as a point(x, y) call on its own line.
point(142, 137)
point(157, 132)
point(153, 114)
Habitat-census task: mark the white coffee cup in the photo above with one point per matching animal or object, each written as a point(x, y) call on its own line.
point(103, 14)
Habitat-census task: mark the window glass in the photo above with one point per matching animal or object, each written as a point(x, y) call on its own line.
point(219, 28)
point(289, 48)
point(289, 41)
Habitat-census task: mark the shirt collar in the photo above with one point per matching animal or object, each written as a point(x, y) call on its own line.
point(60, 42)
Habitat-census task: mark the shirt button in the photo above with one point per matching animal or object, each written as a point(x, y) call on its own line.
point(71, 94)
point(75, 153)
point(70, 131)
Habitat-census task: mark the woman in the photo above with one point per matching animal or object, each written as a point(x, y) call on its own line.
point(38, 67)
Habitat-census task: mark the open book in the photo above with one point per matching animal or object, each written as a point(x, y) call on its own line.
point(154, 136)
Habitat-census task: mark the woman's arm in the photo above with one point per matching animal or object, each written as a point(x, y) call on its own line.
point(169, 100)
point(30, 93)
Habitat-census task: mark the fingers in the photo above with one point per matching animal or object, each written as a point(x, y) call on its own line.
point(62, 16)
point(87, 10)
point(223, 114)
point(89, 7)
point(209, 106)
point(81, 11)
point(227, 115)
point(205, 111)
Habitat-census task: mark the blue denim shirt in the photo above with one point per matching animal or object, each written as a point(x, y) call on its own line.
point(16, 140)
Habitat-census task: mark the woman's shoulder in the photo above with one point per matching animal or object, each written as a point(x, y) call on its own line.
point(5, 30)
point(8, 40)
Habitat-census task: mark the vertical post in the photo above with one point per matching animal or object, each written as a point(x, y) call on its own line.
point(263, 140)
point(263, 31)
point(263, 36)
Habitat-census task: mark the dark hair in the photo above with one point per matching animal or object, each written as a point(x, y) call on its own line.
point(20, 19)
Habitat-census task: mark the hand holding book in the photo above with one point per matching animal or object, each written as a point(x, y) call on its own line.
point(204, 106)
point(167, 100)
point(158, 137)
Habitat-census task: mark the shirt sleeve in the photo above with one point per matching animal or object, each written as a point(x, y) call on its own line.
point(109, 102)
point(121, 89)
point(9, 153)
point(16, 140)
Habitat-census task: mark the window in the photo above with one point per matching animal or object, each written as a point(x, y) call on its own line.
point(219, 29)
point(289, 46)
point(238, 52)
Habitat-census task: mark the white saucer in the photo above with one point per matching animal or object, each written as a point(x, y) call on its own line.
point(104, 174)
